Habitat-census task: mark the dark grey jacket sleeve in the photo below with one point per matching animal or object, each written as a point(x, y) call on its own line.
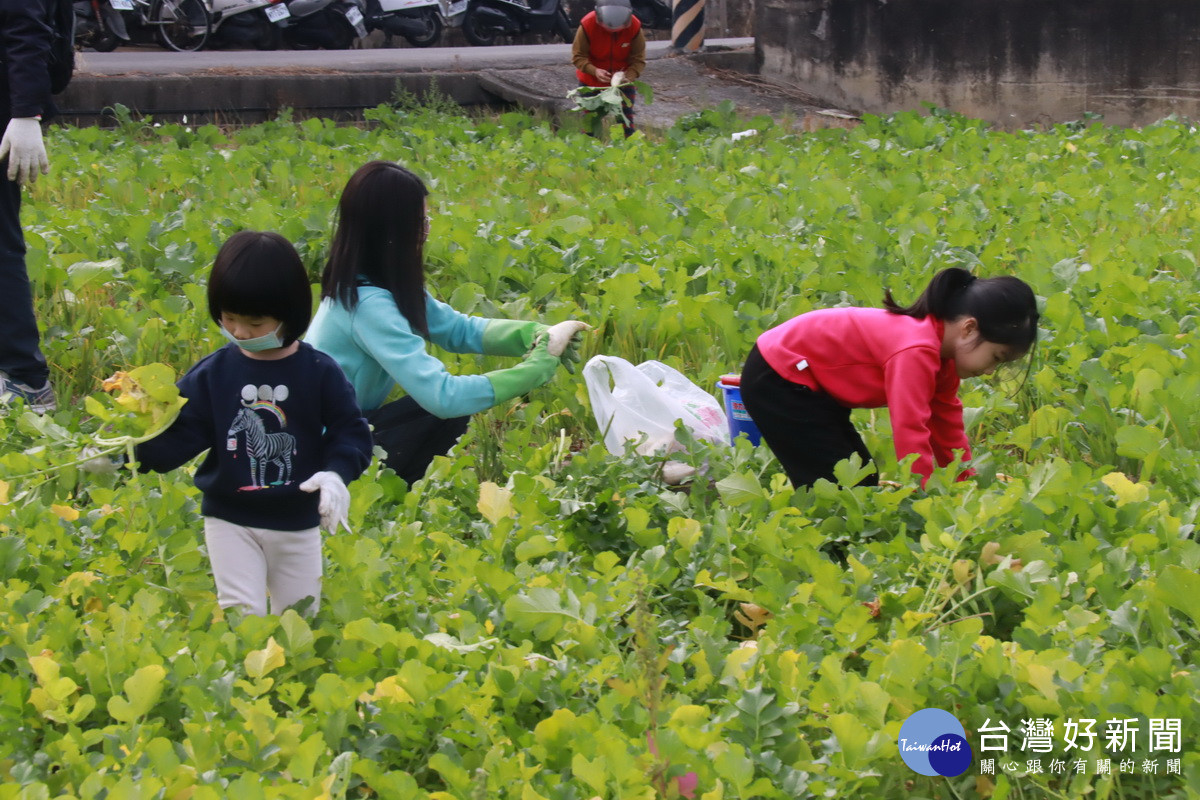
point(24, 51)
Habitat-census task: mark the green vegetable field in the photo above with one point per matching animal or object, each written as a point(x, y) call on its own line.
point(541, 620)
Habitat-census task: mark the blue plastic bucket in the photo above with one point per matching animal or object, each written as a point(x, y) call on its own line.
point(735, 410)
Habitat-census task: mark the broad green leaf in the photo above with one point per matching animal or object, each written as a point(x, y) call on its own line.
point(1136, 441)
point(297, 633)
point(852, 736)
point(740, 488)
point(142, 690)
point(376, 634)
point(1180, 589)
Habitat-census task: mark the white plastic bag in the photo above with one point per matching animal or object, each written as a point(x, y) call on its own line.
point(631, 402)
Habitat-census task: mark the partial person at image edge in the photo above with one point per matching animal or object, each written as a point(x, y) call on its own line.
point(25, 91)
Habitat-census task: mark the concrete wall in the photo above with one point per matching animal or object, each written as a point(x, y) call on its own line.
point(1012, 62)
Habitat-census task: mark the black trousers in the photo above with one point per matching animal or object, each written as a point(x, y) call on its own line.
point(808, 431)
point(20, 356)
point(411, 436)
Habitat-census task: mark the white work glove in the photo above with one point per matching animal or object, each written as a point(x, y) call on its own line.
point(22, 144)
point(563, 342)
point(335, 499)
point(617, 79)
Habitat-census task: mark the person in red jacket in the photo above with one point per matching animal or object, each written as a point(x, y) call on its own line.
point(803, 377)
point(610, 50)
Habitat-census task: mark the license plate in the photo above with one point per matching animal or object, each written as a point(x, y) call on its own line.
point(277, 13)
point(122, 5)
point(354, 16)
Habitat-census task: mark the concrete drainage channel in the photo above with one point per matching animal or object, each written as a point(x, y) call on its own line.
point(244, 88)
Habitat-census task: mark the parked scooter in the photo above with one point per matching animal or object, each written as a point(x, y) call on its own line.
point(99, 24)
point(418, 21)
point(242, 23)
point(656, 14)
point(453, 12)
point(487, 20)
point(330, 24)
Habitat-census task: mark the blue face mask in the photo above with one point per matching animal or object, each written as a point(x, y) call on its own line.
point(268, 341)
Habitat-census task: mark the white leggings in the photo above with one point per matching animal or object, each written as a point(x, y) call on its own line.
point(249, 563)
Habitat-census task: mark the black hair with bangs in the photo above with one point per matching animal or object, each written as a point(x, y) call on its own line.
point(259, 273)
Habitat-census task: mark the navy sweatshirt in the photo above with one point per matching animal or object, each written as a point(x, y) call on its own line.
point(268, 426)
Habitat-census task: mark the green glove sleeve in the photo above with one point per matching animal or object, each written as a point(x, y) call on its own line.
point(510, 337)
point(537, 368)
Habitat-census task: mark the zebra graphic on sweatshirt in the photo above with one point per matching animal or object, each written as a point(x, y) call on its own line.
point(263, 448)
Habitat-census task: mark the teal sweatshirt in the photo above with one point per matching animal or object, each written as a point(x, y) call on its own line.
point(377, 349)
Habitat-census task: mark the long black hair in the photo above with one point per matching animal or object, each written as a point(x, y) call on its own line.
point(380, 239)
point(261, 274)
point(1004, 307)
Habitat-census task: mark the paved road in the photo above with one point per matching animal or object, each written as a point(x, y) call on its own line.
point(453, 59)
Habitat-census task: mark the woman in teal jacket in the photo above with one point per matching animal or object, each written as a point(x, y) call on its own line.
point(376, 320)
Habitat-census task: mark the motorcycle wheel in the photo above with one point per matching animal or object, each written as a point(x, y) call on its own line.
point(433, 31)
point(183, 25)
point(476, 33)
point(562, 26)
point(269, 36)
point(341, 34)
point(104, 42)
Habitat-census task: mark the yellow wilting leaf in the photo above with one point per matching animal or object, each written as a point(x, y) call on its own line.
point(65, 513)
point(495, 503)
point(76, 584)
point(79, 579)
point(390, 689)
point(3, 492)
point(1042, 678)
point(990, 555)
point(753, 616)
point(114, 382)
point(527, 793)
point(1126, 490)
point(259, 662)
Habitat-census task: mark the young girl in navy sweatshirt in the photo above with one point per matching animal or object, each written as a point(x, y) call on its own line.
point(281, 425)
point(803, 377)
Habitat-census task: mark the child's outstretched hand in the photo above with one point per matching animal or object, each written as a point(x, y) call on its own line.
point(334, 504)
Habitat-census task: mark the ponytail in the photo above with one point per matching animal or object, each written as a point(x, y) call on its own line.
point(1004, 307)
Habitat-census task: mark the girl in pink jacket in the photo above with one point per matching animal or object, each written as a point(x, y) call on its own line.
point(803, 377)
